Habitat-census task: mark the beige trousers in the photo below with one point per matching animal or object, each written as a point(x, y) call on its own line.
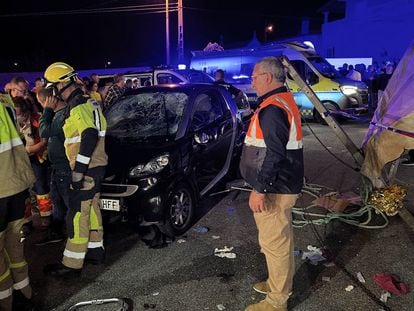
point(276, 240)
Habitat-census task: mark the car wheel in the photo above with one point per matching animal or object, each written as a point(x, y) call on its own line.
point(180, 209)
point(331, 107)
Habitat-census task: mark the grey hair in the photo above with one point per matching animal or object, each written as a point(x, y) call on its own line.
point(274, 66)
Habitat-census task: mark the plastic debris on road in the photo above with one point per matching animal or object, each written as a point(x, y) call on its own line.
point(155, 293)
point(314, 255)
point(349, 288)
point(337, 202)
point(390, 283)
point(329, 264)
point(201, 229)
point(221, 307)
point(385, 296)
point(297, 252)
point(181, 241)
point(225, 252)
point(360, 277)
point(215, 237)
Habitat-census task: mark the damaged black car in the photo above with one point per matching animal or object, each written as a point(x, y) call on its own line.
point(168, 146)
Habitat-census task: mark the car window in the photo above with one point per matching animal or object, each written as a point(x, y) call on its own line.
point(167, 78)
point(208, 107)
point(146, 115)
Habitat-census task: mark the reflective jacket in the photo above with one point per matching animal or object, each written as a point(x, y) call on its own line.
point(272, 156)
point(84, 131)
point(15, 169)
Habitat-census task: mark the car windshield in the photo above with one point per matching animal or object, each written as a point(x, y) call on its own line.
point(146, 115)
point(324, 67)
point(195, 76)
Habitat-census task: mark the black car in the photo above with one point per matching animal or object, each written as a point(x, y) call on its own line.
point(167, 147)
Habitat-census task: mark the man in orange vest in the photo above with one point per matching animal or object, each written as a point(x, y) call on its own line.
point(272, 163)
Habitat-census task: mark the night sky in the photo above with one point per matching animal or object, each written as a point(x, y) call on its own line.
point(32, 41)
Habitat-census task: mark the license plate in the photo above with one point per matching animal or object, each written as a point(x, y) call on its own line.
point(110, 205)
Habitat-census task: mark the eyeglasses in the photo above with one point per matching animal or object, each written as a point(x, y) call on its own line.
point(254, 77)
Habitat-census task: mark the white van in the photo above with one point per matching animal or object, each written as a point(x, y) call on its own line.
point(336, 92)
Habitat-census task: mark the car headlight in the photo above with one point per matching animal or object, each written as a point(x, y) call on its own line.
point(154, 166)
point(349, 89)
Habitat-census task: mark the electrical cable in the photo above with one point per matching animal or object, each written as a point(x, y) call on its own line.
point(330, 152)
point(143, 9)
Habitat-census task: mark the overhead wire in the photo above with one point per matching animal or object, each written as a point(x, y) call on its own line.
point(139, 9)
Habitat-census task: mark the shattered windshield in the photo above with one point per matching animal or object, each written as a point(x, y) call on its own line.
point(146, 115)
point(324, 67)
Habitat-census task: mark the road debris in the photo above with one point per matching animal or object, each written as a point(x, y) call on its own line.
point(390, 283)
point(384, 296)
point(225, 252)
point(349, 288)
point(201, 229)
point(314, 255)
point(215, 237)
point(360, 277)
point(326, 279)
point(181, 241)
point(221, 307)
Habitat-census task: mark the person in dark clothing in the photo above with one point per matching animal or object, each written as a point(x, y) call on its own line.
point(234, 91)
point(272, 163)
point(51, 123)
point(84, 130)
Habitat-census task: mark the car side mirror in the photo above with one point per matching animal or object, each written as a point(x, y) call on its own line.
point(201, 138)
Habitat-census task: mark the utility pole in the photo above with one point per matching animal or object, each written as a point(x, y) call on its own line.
point(167, 33)
point(180, 32)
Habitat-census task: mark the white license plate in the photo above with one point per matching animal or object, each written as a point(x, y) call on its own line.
point(110, 205)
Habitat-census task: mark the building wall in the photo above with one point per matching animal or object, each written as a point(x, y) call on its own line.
point(381, 29)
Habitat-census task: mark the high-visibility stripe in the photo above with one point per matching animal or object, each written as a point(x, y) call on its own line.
point(82, 159)
point(74, 255)
point(4, 275)
point(18, 265)
point(97, 119)
point(21, 284)
point(10, 144)
point(95, 244)
point(254, 135)
point(6, 293)
point(77, 139)
point(250, 141)
point(47, 213)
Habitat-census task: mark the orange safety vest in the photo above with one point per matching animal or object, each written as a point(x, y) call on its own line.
point(254, 135)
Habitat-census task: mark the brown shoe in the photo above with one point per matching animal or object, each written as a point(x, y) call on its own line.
point(264, 306)
point(262, 288)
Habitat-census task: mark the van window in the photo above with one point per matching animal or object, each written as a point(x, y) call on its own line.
point(305, 72)
point(324, 67)
point(167, 78)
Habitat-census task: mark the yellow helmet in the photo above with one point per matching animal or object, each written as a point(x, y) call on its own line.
point(60, 72)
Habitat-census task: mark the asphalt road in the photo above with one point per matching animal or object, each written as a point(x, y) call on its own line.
point(187, 275)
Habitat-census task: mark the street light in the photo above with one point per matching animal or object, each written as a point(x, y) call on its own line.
point(268, 29)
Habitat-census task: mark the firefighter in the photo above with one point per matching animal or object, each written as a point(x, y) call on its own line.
point(15, 168)
point(84, 131)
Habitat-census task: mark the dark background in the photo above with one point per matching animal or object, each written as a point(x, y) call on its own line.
point(31, 41)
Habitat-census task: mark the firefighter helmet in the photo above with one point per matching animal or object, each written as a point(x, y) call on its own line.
point(60, 72)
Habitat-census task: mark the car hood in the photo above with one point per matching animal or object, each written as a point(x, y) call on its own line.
point(123, 155)
point(346, 81)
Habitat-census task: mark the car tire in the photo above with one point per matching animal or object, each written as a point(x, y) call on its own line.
point(330, 106)
point(180, 209)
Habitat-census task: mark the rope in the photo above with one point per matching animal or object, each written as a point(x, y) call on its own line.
point(350, 218)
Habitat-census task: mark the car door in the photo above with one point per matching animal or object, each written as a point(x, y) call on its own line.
point(213, 126)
